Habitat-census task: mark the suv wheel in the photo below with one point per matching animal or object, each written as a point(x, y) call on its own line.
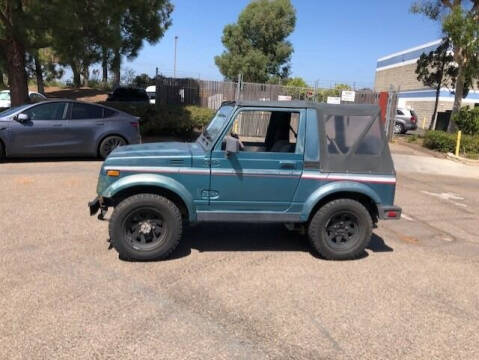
point(340, 230)
point(109, 144)
point(399, 128)
point(145, 227)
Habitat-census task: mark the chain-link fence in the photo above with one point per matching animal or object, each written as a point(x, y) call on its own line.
point(211, 93)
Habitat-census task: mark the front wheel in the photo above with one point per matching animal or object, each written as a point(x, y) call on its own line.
point(340, 230)
point(145, 227)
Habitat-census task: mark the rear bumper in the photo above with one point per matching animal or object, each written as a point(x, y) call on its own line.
point(389, 212)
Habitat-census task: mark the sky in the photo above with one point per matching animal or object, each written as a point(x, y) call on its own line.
point(334, 41)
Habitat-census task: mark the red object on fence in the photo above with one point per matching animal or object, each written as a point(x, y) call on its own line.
point(383, 104)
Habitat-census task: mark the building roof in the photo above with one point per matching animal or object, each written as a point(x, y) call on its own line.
point(406, 57)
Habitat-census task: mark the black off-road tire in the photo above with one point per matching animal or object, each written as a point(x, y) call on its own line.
point(331, 212)
point(171, 218)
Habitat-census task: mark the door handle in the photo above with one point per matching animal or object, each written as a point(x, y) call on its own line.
point(287, 165)
point(100, 124)
point(57, 125)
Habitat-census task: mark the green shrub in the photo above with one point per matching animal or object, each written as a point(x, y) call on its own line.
point(440, 141)
point(469, 144)
point(167, 120)
point(467, 120)
point(446, 142)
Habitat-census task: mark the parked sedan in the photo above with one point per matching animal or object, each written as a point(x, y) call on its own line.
point(65, 128)
point(5, 98)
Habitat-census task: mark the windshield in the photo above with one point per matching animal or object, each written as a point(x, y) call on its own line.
point(4, 95)
point(216, 125)
point(12, 110)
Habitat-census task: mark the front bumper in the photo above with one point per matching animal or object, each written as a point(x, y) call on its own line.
point(94, 205)
point(98, 204)
point(389, 212)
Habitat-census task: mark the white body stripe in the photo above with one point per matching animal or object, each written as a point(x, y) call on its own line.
point(309, 175)
point(349, 177)
point(161, 169)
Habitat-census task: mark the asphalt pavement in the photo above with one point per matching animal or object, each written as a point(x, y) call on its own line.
point(235, 291)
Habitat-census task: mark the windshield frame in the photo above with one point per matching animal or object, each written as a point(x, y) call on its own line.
point(207, 139)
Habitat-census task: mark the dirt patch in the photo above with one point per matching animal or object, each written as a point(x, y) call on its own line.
point(400, 145)
point(83, 94)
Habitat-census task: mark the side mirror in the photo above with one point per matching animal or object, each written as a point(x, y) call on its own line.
point(232, 145)
point(22, 118)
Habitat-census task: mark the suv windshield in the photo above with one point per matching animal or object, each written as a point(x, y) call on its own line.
point(4, 95)
point(216, 125)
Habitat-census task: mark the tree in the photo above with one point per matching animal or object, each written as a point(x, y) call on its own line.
point(75, 37)
point(42, 66)
point(14, 16)
point(105, 31)
point(139, 21)
point(256, 45)
point(460, 23)
point(143, 81)
point(436, 70)
point(296, 82)
point(335, 92)
point(2, 70)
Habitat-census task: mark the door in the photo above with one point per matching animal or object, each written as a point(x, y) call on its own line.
point(264, 174)
point(86, 121)
point(43, 134)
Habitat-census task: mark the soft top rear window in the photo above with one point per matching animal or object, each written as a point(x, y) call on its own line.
point(352, 139)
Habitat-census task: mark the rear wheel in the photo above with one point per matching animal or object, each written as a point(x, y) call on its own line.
point(109, 144)
point(341, 229)
point(145, 227)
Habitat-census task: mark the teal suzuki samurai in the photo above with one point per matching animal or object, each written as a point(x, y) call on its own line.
point(325, 168)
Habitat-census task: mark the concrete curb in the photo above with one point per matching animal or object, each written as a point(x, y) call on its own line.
point(460, 159)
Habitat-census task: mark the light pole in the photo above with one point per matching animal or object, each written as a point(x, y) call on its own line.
point(174, 66)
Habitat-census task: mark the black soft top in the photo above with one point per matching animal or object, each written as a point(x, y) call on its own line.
point(353, 139)
point(351, 136)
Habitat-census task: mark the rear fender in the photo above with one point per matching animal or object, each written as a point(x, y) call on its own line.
point(159, 181)
point(336, 187)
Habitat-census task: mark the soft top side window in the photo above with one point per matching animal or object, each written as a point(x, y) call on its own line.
point(266, 130)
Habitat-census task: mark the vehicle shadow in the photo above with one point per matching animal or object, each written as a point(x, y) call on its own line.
point(254, 237)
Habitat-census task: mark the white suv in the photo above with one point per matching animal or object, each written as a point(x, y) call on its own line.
point(6, 103)
point(406, 119)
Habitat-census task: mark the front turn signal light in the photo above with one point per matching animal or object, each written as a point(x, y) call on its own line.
point(113, 172)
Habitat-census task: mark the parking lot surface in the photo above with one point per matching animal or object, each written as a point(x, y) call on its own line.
point(234, 291)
